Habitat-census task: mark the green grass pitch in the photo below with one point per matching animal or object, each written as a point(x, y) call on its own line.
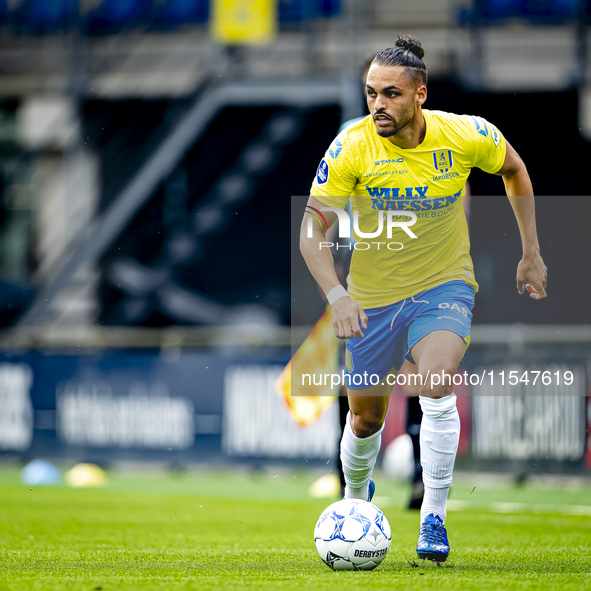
point(236, 530)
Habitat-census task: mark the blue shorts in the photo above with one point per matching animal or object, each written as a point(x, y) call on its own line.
point(392, 331)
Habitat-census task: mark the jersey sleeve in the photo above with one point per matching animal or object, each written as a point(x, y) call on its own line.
point(336, 175)
point(490, 146)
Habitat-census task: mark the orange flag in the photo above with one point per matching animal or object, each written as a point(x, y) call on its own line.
point(317, 355)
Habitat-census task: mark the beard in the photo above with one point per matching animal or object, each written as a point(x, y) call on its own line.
point(394, 129)
point(387, 132)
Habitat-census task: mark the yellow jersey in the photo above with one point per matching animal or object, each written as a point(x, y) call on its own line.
point(411, 230)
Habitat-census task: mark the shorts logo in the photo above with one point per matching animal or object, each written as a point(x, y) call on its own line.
point(463, 311)
point(322, 172)
point(338, 146)
point(443, 161)
point(349, 362)
point(450, 318)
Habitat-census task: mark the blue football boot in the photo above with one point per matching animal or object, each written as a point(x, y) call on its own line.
point(371, 491)
point(433, 542)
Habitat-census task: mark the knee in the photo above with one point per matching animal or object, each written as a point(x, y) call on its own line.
point(366, 423)
point(437, 383)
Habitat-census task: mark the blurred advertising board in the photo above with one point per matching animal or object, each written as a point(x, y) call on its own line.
point(220, 405)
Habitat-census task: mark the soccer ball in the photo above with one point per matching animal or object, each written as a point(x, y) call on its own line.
point(352, 535)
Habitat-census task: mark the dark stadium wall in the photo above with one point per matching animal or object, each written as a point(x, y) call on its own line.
point(540, 126)
point(248, 259)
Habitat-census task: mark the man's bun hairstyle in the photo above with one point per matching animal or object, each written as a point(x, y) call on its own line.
point(408, 53)
point(412, 44)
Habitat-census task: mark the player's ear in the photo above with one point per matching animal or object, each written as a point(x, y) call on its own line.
point(421, 94)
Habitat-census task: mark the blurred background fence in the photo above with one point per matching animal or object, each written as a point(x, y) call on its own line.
point(149, 150)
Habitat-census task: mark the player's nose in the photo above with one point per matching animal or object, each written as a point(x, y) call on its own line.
point(380, 103)
point(380, 107)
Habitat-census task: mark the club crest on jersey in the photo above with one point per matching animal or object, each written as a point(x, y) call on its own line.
point(322, 172)
point(443, 161)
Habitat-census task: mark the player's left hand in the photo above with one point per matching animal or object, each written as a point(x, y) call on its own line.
point(532, 275)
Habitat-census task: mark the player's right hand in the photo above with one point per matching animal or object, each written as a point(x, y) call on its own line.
point(346, 317)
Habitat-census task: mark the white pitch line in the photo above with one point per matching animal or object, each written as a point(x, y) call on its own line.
point(539, 508)
point(454, 505)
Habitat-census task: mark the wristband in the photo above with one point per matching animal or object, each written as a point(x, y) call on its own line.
point(336, 293)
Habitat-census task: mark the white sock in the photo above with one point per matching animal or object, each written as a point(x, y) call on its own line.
point(434, 501)
point(440, 435)
point(358, 456)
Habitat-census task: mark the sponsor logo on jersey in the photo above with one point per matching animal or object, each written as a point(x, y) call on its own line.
point(391, 192)
point(481, 126)
point(443, 161)
point(410, 199)
point(449, 175)
point(322, 172)
point(386, 172)
point(388, 161)
point(496, 136)
point(335, 149)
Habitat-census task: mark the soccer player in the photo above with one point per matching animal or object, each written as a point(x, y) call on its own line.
point(414, 413)
point(411, 283)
